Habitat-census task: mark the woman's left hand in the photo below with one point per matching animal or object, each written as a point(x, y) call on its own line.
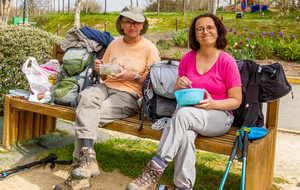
point(207, 104)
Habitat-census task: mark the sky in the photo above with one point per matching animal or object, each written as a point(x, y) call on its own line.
point(112, 5)
point(118, 5)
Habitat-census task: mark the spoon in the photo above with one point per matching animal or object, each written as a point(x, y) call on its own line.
point(190, 86)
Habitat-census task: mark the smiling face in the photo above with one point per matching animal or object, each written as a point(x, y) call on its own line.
point(207, 32)
point(131, 28)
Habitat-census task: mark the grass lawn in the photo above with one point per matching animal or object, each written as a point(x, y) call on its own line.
point(131, 156)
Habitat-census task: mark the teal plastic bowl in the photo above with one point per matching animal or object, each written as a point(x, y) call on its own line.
point(190, 96)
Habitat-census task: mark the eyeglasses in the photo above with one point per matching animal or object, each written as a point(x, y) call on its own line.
point(128, 23)
point(209, 28)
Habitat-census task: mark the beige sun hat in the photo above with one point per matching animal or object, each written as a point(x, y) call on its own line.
point(134, 13)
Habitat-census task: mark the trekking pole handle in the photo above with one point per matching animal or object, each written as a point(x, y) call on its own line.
point(234, 149)
point(245, 143)
point(48, 159)
point(246, 131)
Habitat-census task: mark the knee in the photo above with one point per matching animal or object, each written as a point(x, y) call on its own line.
point(184, 112)
point(191, 135)
point(83, 95)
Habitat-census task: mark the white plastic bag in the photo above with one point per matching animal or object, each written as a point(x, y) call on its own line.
point(38, 76)
point(45, 99)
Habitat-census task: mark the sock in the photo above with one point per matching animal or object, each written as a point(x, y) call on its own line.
point(88, 143)
point(160, 161)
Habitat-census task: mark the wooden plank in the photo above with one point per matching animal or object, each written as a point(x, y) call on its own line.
point(47, 124)
point(53, 126)
point(21, 125)
point(260, 162)
point(42, 124)
point(28, 132)
point(7, 122)
point(14, 126)
point(64, 112)
point(36, 124)
point(272, 114)
point(54, 51)
point(58, 52)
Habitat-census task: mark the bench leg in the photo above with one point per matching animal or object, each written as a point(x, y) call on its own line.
point(260, 162)
point(14, 125)
point(8, 113)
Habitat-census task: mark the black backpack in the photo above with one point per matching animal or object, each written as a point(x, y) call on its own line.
point(158, 99)
point(259, 84)
point(273, 83)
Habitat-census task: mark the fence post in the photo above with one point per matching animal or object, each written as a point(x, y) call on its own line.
point(82, 25)
point(57, 30)
point(177, 23)
point(222, 18)
point(42, 28)
point(105, 26)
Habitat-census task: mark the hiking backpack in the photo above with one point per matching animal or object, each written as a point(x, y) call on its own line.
point(260, 84)
point(158, 99)
point(76, 75)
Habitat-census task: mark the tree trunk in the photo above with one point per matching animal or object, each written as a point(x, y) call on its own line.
point(131, 2)
point(77, 14)
point(16, 8)
point(158, 1)
point(213, 7)
point(86, 6)
point(183, 12)
point(54, 5)
point(235, 6)
point(68, 6)
point(1, 13)
point(137, 3)
point(5, 9)
point(231, 2)
point(105, 7)
point(58, 7)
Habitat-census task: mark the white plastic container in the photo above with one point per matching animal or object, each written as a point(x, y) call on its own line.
point(110, 69)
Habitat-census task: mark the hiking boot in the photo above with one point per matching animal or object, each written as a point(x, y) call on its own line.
point(148, 179)
point(73, 184)
point(87, 166)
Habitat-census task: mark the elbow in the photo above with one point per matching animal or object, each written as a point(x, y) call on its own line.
point(238, 103)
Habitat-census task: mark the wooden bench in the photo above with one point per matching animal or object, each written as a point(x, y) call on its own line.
point(24, 120)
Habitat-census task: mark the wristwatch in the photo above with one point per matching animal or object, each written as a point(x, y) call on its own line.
point(136, 78)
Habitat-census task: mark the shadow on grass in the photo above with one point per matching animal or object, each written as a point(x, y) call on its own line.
point(131, 156)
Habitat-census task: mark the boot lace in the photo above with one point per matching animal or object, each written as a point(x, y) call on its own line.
point(149, 175)
point(84, 159)
point(68, 181)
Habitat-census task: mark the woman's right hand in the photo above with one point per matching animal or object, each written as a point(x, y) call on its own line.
point(182, 83)
point(97, 63)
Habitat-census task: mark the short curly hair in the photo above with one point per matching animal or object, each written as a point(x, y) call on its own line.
point(221, 41)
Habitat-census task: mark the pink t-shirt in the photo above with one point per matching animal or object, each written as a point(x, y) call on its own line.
point(223, 75)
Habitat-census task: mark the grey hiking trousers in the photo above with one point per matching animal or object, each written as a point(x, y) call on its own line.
point(178, 139)
point(98, 106)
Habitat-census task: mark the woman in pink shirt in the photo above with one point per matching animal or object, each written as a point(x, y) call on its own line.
point(208, 67)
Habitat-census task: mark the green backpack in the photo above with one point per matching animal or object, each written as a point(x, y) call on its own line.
point(75, 76)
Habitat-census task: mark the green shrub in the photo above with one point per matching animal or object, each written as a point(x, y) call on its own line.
point(163, 44)
point(263, 51)
point(180, 38)
point(178, 55)
point(16, 45)
point(289, 51)
point(220, 8)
